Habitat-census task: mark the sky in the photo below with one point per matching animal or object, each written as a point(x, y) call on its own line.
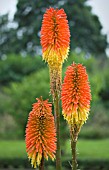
point(99, 7)
point(8, 6)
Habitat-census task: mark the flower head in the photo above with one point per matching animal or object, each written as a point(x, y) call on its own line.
point(55, 37)
point(40, 133)
point(76, 95)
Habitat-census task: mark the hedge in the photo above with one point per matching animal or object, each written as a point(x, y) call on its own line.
point(83, 164)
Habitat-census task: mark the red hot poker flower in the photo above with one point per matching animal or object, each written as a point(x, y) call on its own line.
point(55, 37)
point(76, 95)
point(40, 133)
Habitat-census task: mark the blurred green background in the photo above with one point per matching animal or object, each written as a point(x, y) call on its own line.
point(24, 77)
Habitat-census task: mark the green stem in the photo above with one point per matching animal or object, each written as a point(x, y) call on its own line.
point(57, 122)
point(73, 147)
point(41, 167)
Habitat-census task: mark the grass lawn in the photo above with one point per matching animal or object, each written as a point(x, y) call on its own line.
point(91, 149)
point(87, 149)
point(12, 149)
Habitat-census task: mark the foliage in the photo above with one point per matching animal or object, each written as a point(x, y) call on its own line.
point(7, 36)
point(94, 132)
point(79, 14)
point(89, 37)
point(34, 82)
point(9, 124)
point(22, 95)
point(85, 27)
point(104, 93)
point(15, 67)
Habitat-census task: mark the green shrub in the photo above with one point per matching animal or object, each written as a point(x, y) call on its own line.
point(15, 67)
point(94, 132)
point(97, 124)
point(8, 128)
point(17, 98)
point(104, 93)
point(22, 95)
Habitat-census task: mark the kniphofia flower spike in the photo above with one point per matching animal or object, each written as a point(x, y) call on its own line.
point(76, 95)
point(40, 133)
point(55, 39)
point(55, 36)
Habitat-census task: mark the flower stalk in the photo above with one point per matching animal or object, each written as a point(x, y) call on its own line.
point(74, 159)
point(57, 123)
point(74, 136)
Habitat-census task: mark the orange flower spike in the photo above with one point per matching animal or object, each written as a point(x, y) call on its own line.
point(55, 40)
point(40, 133)
point(55, 37)
point(76, 95)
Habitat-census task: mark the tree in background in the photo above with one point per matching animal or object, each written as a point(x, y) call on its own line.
point(85, 27)
point(8, 36)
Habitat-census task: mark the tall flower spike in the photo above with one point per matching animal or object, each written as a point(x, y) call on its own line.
point(40, 133)
point(55, 39)
point(76, 95)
